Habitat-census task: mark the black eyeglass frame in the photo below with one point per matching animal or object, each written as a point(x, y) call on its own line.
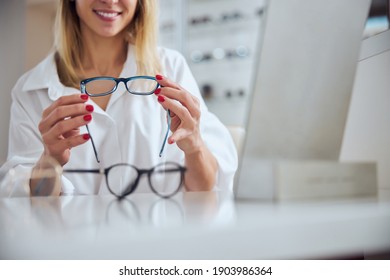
point(140, 173)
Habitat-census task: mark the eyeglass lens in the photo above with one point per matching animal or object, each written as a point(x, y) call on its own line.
point(166, 179)
point(100, 86)
point(141, 86)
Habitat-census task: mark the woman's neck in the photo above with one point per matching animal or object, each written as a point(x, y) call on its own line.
point(104, 56)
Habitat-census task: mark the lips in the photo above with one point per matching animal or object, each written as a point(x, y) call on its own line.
point(107, 14)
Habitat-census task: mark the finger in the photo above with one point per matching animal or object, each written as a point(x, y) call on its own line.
point(178, 135)
point(175, 108)
point(65, 100)
point(70, 111)
point(62, 128)
point(185, 98)
point(71, 133)
point(165, 82)
point(63, 112)
point(67, 143)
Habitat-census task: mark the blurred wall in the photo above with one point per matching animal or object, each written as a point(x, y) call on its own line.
point(39, 32)
point(12, 60)
point(26, 37)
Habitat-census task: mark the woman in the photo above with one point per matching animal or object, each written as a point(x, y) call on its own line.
point(116, 39)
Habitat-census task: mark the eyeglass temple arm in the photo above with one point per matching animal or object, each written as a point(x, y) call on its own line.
point(93, 144)
point(166, 134)
point(82, 89)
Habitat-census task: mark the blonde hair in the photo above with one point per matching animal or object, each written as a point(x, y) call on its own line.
point(142, 32)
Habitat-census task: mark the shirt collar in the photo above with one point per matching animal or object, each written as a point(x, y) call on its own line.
point(45, 76)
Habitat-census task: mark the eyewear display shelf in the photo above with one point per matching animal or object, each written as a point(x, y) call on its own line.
point(219, 39)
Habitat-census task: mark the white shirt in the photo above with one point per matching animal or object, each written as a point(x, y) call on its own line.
point(130, 130)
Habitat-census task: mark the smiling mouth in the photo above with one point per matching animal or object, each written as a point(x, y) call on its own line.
point(107, 14)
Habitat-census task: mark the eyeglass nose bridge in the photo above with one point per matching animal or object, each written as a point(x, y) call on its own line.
point(118, 81)
point(124, 81)
point(133, 186)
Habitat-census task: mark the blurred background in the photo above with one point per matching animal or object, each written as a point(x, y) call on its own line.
point(219, 39)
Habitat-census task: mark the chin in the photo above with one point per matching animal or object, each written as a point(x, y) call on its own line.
point(109, 33)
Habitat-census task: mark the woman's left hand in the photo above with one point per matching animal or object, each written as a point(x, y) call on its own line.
point(185, 115)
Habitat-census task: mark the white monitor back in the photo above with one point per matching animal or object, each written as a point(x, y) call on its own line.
point(367, 133)
point(303, 83)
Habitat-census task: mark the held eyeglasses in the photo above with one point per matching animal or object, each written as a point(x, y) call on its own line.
point(138, 85)
point(165, 179)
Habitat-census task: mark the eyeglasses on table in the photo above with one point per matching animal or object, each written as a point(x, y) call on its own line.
point(137, 85)
point(165, 179)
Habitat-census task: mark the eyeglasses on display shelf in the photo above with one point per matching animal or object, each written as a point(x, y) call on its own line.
point(122, 179)
point(137, 85)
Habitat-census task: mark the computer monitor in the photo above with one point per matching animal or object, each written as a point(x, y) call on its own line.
point(302, 84)
point(367, 134)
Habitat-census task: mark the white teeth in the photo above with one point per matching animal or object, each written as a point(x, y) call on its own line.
point(108, 15)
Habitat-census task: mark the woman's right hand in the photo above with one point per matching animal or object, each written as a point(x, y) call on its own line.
point(60, 126)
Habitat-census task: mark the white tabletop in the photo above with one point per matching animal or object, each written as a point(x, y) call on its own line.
point(207, 225)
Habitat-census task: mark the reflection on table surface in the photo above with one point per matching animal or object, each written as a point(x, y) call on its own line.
point(139, 211)
point(204, 225)
point(104, 218)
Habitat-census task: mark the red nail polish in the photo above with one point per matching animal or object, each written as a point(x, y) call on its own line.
point(84, 97)
point(159, 77)
point(87, 118)
point(86, 136)
point(89, 108)
point(157, 91)
point(170, 141)
point(160, 98)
